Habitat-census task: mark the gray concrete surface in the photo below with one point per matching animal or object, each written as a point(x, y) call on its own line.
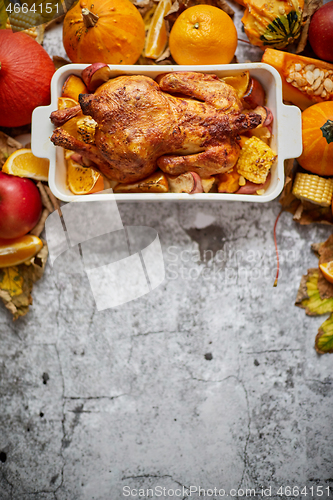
point(210, 381)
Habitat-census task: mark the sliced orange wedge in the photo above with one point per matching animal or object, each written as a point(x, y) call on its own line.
point(82, 180)
point(239, 82)
point(18, 250)
point(327, 270)
point(157, 36)
point(24, 164)
point(66, 102)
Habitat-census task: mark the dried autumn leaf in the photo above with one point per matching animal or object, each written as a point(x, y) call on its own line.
point(325, 254)
point(324, 338)
point(308, 296)
point(180, 5)
point(144, 6)
point(16, 283)
point(310, 7)
point(7, 146)
point(315, 248)
point(59, 62)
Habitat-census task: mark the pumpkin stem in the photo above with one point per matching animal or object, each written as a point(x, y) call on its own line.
point(327, 131)
point(89, 18)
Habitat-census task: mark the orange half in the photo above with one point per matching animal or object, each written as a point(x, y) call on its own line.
point(327, 270)
point(83, 180)
point(23, 163)
point(18, 250)
point(66, 102)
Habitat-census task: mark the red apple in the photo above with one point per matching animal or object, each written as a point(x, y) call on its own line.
point(321, 32)
point(20, 206)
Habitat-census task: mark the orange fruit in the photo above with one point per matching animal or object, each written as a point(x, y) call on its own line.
point(203, 34)
point(327, 270)
point(66, 102)
point(23, 163)
point(239, 82)
point(157, 36)
point(18, 250)
point(82, 180)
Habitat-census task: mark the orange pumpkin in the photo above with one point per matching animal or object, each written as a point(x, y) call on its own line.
point(317, 134)
point(109, 31)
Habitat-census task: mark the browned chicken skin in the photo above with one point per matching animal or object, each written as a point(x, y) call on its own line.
point(141, 126)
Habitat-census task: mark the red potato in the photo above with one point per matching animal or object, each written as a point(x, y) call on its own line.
point(255, 95)
point(252, 188)
point(96, 74)
point(20, 206)
point(190, 183)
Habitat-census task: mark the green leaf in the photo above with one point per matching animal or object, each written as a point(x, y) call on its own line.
point(324, 338)
point(327, 131)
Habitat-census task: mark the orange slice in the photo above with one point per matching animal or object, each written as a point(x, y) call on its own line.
point(18, 250)
point(327, 270)
point(157, 36)
point(83, 180)
point(239, 82)
point(66, 102)
point(23, 163)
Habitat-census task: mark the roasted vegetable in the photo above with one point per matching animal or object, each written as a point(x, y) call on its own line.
point(73, 87)
point(228, 182)
point(255, 94)
point(313, 188)
point(155, 183)
point(274, 23)
point(305, 81)
point(255, 160)
point(207, 183)
point(190, 183)
point(86, 127)
point(253, 188)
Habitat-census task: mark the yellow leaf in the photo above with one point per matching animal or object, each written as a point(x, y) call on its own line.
point(11, 280)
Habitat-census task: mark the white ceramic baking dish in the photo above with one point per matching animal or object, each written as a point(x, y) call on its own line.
point(286, 140)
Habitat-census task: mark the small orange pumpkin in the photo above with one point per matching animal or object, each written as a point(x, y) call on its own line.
point(317, 134)
point(109, 31)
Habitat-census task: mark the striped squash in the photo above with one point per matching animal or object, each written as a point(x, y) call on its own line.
point(273, 23)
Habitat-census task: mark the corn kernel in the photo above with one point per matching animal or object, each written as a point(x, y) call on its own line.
point(313, 188)
point(241, 181)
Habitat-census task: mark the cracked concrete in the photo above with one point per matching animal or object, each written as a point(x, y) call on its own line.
point(212, 380)
point(209, 381)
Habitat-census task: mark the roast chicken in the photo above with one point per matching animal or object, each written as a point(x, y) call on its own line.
point(184, 121)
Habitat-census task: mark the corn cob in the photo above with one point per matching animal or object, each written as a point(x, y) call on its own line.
point(313, 188)
point(255, 160)
point(35, 32)
point(86, 129)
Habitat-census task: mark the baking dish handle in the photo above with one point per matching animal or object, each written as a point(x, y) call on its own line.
point(41, 131)
point(290, 131)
